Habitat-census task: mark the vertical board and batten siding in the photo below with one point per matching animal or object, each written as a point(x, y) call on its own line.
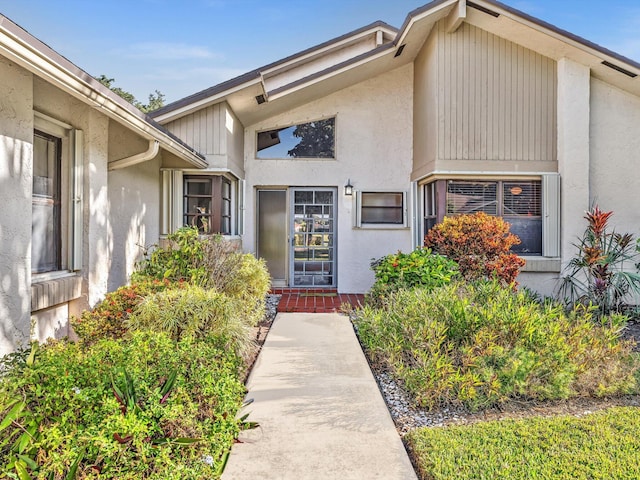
point(497, 99)
point(204, 130)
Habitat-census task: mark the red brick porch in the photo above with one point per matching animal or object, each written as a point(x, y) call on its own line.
point(314, 300)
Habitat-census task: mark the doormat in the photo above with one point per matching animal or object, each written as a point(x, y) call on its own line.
point(318, 295)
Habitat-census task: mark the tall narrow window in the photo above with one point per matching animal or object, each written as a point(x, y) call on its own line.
point(207, 203)
point(46, 243)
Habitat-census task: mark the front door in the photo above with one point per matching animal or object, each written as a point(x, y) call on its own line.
point(312, 258)
point(272, 234)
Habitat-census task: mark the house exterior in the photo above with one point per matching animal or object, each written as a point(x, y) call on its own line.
point(79, 188)
point(469, 106)
point(319, 162)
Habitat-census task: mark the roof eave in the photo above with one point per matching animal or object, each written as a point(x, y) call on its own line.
point(35, 56)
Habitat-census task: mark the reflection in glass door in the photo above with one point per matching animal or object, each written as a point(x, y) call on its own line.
point(313, 237)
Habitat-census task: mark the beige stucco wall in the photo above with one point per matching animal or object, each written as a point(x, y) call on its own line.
point(16, 138)
point(373, 149)
point(134, 201)
point(120, 210)
point(614, 181)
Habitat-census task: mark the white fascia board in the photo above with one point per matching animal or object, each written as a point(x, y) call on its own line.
point(322, 51)
point(299, 86)
point(40, 65)
point(205, 102)
point(428, 13)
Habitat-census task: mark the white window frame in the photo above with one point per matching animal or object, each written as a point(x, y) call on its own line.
point(358, 223)
point(71, 188)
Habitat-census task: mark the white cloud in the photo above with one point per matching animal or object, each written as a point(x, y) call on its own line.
point(168, 51)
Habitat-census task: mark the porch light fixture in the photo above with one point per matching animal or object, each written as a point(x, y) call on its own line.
point(348, 188)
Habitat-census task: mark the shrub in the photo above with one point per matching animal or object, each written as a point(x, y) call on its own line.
point(481, 344)
point(68, 392)
point(480, 244)
point(210, 262)
point(239, 275)
point(596, 275)
point(195, 312)
point(181, 259)
point(107, 319)
point(419, 268)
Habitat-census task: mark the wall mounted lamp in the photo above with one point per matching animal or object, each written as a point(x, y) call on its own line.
point(348, 188)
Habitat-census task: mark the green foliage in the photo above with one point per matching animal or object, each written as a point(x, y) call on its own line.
point(238, 275)
point(108, 318)
point(419, 268)
point(195, 312)
point(177, 393)
point(480, 244)
point(156, 99)
point(210, 262)
point(180, 260)
point(596, 275)
point(599, 446)
point(481, 344)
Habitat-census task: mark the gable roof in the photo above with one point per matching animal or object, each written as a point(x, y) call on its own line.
point(20, 46)
point(255, 96)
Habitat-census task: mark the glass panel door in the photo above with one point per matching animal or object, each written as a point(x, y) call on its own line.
point(272, 233)
point(313, 237)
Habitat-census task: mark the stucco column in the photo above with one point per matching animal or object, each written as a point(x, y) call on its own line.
point(98, 236)
point(573, 151)
point(16, 184)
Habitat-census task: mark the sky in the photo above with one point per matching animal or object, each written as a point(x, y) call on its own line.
point(180, 47)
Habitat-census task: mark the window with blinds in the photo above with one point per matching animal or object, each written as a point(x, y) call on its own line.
point(518, 201)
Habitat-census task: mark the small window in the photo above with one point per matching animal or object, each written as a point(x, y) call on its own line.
point(46, 246)
point(207, 203)
point(381, 208)
point(306, 140)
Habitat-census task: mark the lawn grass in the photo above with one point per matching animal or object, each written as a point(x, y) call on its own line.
point(602, 445)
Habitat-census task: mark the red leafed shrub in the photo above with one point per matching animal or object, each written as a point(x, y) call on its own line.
point(107, 319)
point(480, 243)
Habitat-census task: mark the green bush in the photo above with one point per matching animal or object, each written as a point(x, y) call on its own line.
point(420, 268)
point(107, 319)
point(195, 312)
point(481, 344)
point(67, 393)
point(181, 259)
point(239, 275)
point(210, 262)
point(600, 446)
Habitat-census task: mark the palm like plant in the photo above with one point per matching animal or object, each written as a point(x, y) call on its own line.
point(597, 276)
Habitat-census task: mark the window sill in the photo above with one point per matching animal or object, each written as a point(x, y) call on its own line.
point(542, 264)
point(381, 226)
point(54, 289)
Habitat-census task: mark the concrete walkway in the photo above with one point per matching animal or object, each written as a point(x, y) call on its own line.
point(320, 412)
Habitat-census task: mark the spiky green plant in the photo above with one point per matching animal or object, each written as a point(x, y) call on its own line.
point(599, 274)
